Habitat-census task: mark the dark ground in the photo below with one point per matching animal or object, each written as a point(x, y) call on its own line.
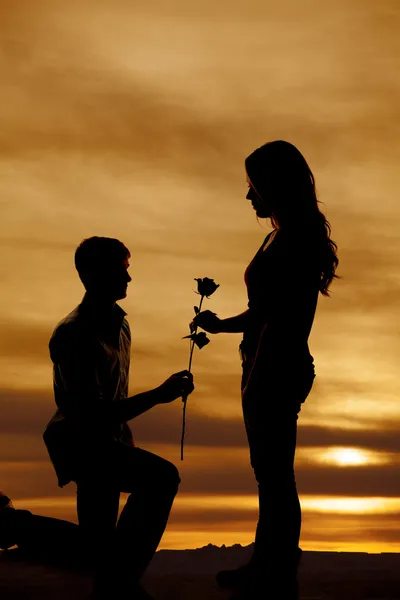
point(189, 575)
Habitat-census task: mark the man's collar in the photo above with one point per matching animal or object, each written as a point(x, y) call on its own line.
point(97, 312)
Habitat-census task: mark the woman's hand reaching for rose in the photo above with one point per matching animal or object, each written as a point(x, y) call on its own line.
point(208, 321)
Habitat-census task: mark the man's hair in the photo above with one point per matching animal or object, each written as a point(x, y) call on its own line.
point(96, 253)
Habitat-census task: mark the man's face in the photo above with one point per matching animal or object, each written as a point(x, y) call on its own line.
point(121, 279)
point(112, 282)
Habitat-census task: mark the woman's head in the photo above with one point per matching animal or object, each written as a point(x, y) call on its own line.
point(282, 188)
point(282, 185)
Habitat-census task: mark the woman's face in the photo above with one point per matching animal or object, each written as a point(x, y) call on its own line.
point(261, 205)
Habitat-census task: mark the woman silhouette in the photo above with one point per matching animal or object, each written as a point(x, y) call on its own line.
point(296, 261)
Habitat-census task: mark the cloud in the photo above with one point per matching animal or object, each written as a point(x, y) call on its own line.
point(25, 340)
point(216, 456)
point(95, 102)
point(197, 527)
point(323, 530)
point(382, 438)
point(27, 412)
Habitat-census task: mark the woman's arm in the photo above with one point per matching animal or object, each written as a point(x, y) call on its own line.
point(235, 324)
point(211, 323)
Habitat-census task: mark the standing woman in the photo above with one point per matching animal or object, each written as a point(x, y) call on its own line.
point(295, 262)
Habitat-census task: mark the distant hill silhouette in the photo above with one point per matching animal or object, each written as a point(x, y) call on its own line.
point(208, 558)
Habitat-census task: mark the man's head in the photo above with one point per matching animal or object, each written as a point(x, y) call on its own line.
point(102, 264)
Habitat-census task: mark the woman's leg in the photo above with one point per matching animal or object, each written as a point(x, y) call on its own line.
point(276, 551)
point(272, 434)
point(272, 458)
point(271, 425)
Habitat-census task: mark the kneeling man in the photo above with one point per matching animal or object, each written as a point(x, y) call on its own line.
point(88, 438)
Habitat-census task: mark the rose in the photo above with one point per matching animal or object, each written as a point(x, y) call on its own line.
point(205, 288)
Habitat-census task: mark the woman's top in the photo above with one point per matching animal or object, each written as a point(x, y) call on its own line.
point(282, 285)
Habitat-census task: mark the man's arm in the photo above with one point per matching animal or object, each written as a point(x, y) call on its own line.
point(77, 372)
point(177, 385)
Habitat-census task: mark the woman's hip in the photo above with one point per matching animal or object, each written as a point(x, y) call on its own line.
point(279, 386)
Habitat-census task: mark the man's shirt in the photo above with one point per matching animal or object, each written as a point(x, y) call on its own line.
point(90, 351)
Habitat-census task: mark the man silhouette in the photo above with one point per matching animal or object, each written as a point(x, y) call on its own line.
point(88, 438)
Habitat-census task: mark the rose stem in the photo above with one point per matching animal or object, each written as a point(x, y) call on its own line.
point(184, 398)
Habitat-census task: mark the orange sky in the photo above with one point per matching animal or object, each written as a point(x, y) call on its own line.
point(133, 120)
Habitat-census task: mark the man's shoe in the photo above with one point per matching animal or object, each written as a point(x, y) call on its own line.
point(6, 513)
point(244, 576)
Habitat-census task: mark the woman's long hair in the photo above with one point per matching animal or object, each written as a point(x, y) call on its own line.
point(281, 175)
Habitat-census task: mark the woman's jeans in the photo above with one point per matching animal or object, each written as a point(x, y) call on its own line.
point(270, 413)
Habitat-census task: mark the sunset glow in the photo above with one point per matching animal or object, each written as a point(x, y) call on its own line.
point(133, 120)
point(228, 519)
point(242, 503)
point(347, 457)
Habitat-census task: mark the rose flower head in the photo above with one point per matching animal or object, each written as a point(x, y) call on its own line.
point(206, 286)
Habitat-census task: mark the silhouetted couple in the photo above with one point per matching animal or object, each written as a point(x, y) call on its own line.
point(90, 442)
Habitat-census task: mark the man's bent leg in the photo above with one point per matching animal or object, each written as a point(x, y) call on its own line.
point(153, 483)
point(43, 538)
point(97, 509)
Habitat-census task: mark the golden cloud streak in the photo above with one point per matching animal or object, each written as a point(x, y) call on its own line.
point(329, 524)
point(341, 456)
point(243, 503)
